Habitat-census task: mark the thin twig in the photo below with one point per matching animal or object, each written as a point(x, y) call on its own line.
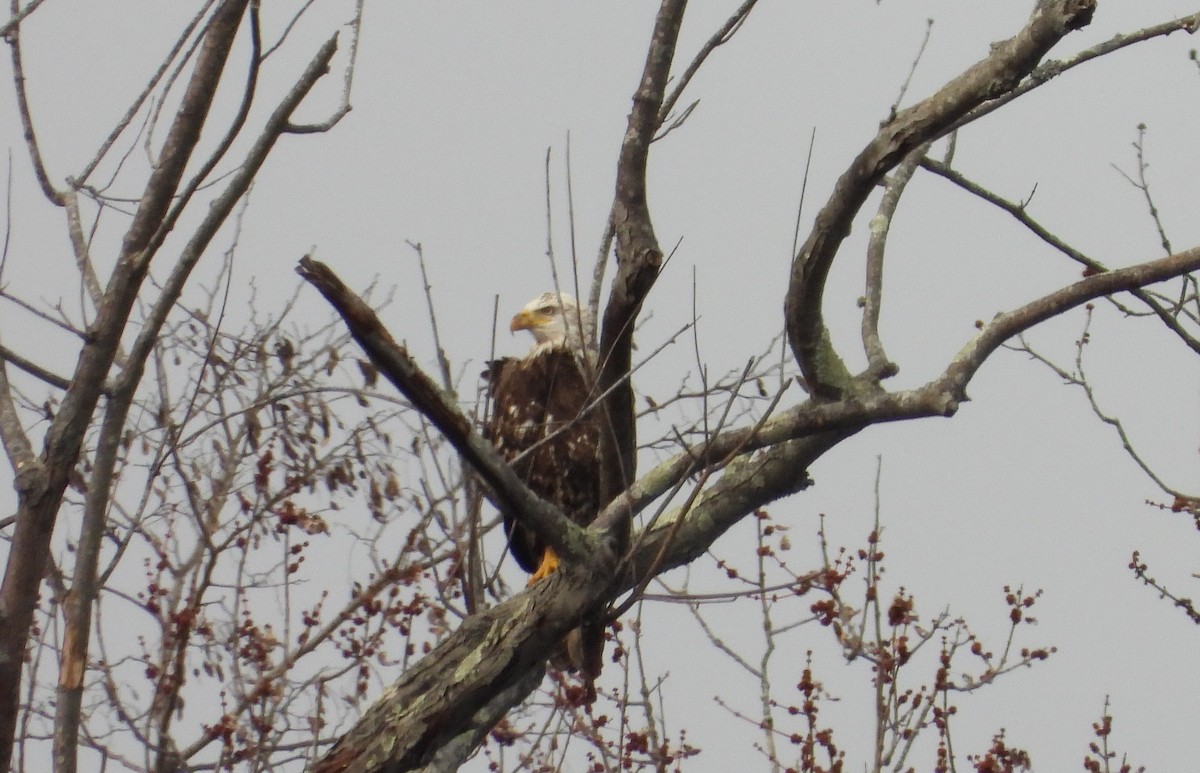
point(912, 70)
point(722, 36)
point(1091, 265)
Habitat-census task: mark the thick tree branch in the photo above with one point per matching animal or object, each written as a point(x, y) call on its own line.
point(1053, 68)
point(184, 196)
point(755, 480)
point(1000, 72)
point(1005, 326)
point(393, 360)
point(491, 658)
point(496, 649)
point(493, 653)
point(12, 435)
point(455, 751)
point(638, 261)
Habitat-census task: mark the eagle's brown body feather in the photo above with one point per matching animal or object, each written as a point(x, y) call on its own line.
point(540, 425)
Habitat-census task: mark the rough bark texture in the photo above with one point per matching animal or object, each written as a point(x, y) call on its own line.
point(437, 700)
point(638, 261)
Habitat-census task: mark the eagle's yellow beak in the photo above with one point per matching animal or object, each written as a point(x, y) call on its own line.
point(526, 320)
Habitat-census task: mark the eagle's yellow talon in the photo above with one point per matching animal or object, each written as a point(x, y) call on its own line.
point(546, 568)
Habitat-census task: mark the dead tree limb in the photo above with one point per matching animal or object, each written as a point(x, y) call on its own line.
point(1000, 72)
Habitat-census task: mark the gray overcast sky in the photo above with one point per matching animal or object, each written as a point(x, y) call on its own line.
point(455, 106)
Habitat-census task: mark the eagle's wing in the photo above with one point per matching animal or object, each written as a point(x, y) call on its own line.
point(538, 423)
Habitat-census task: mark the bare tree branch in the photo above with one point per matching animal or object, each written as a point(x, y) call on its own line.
point(718, 38)
point(78, 611)
point(19, 15)
point(638, 260)
point(1001, 71)
point(440, 697)
point(40, 484)
point(253, 424)
point(12, 36)
point(1053, 68)
point(33, 369)
point(939, 397)
point(140, 100)
point(1018, 211)
point(754, 480)
point(878, 364)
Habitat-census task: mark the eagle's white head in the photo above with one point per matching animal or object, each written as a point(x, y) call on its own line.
point(555, 320)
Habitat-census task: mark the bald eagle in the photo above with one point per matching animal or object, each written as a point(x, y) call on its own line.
point(541, 423)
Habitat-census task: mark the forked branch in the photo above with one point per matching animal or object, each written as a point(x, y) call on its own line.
point(1001, 71)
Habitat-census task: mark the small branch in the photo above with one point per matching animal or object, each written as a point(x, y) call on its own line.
point(13, 38)
point(1141, 570)
point(878, 364)
point(344, 107)
point(912, 70)
point(443, 361)
point(80, 245)
point(718, 38)
point(812, 141)
point(11, 25)
point(1079, 378)
point(1143, 185)
point(589, 343)
point(35, 370)
point(597, 285)
point(141, 98)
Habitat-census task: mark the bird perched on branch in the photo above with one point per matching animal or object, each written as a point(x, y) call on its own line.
point(542, 423)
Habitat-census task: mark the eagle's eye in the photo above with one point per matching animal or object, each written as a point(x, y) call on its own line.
point(547, 310)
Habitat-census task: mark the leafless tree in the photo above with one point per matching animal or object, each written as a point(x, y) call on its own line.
point(437, 712)
point(167, 422)
point(190, 465)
